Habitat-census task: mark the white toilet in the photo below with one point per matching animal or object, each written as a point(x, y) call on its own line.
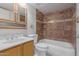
point(40, 48)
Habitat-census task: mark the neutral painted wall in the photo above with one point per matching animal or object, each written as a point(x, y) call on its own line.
point(31, 20)
point(77, 9)
point(77, 30)
point(77, 39)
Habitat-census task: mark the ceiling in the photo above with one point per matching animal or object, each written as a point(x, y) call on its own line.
point(45, 8)
point(48, 8)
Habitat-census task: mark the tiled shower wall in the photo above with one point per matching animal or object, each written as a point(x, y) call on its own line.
point(60, 25)
point(39, 24)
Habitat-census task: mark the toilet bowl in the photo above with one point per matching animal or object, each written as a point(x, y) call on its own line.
point(41, 49)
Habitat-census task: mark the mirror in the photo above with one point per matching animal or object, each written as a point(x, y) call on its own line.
point(12, 16)
point(21, 11)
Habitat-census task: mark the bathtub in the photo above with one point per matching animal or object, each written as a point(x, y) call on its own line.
point(58, 48)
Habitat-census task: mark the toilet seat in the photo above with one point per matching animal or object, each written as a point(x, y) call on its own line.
point(42, 45)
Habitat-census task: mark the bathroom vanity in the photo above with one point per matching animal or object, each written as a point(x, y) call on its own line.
point(14, 18)
point(23, 47)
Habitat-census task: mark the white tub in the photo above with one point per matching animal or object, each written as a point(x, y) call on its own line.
point(58, 48)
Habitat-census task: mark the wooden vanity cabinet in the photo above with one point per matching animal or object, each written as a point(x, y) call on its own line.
point(25, 49)
point(28, 49)
point(14, 51)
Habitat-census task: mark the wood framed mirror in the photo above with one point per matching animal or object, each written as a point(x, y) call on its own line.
point(12, 16)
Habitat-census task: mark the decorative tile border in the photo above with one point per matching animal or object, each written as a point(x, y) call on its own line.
point(55, 21)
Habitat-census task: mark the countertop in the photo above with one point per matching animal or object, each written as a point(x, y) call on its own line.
point(13, 43)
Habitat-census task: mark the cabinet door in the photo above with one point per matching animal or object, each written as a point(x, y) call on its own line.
point(15, 51)
point(28, 49)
